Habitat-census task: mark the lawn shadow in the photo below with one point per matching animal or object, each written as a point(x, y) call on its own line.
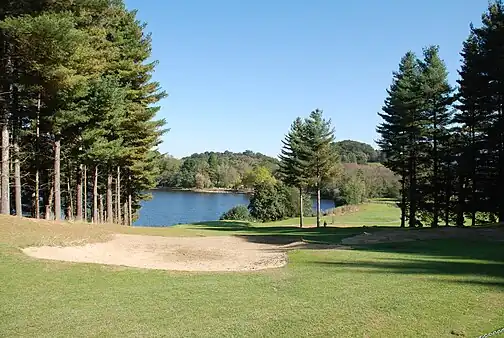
point(474, 262)
point(287, 234)
point(218, 225)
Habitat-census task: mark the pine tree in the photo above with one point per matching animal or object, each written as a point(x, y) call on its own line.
point(491, 43)
point(481, 117)
point(292, 168)
point(317, 152)
point(437, 96)
point(469, 117)
point(399, 133)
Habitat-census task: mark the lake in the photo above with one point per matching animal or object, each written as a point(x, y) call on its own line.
point(168, 208)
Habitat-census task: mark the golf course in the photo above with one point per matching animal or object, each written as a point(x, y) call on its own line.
point(353, 278)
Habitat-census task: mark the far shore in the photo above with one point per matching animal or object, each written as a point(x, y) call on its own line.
point(208, 191)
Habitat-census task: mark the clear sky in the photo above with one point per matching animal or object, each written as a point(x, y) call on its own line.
point(238, 72)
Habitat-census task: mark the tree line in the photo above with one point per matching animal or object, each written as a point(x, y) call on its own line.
point(226, 170)
point(77, 107)
point(240, 171)
point(446, 143)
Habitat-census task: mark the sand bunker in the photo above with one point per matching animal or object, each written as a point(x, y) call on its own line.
point(171, 253)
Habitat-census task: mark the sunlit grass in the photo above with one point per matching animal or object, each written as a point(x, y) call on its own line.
point(368, 214)
point(426, 289)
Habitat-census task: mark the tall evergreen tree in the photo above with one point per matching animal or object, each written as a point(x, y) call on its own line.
point(436, 96)
point(317, 152)
point(293, 168)
point(399, 133)
point(469, 118)
point(481, 117)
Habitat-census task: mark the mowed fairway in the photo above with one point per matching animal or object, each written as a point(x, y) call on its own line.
point(435, 288)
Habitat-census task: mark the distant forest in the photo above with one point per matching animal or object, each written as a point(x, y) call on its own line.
point(359, 163)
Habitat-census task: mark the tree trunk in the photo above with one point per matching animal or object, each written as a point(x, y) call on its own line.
point(79, 194)
point(110, 213)
point(118, 196)
point(412, 193)
point(37, 194)
point(95, 195)
point(5, 174)
point(300, 207)
point(49, 204)
point(102, 219)
point(37, 173)
point(130, 215)
point(17, 180)
point(318, 206)
point(16, 129)
point(5, 207)
point(125, 208)
point(57, 179)
point(435, 209)
point(70, 200)
point(85, 201)
point(403, 201)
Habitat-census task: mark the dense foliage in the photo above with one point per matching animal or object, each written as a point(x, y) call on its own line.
point(77, 107)
point(271, 202)
point(357, 152)
point(216, 170)
point(448, 147)
point(237, 213)
point(358, 183)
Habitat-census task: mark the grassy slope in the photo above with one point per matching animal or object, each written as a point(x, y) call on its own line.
point(369, 214)
point(418, 289)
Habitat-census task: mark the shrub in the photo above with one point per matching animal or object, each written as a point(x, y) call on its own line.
point(237, 213)
point(271, 202)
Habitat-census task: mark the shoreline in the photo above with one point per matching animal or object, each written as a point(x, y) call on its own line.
point(208, 191)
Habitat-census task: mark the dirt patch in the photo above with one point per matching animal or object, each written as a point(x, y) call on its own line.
point(221, 253)
point(408, 235)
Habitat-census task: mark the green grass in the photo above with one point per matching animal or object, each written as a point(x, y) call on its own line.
point(420, 289)
point(368, 214)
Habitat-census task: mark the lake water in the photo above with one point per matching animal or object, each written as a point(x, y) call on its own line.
point(168, 208)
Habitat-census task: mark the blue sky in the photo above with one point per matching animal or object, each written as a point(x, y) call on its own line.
point(238, 72)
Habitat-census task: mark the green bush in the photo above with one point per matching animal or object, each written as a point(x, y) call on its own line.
point(238, 213)
point(271, 202)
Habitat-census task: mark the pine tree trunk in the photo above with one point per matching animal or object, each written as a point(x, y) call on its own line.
point(70, 200)
point(118, 196)
point(500, 152)
point(125, 208)
point(5, 174)
point(130, 214)
point(16, 129)
point(57, 179)
point(49, 204)
point(102, 219)
point(403, 201)
point(37, 173)
point(412, 193)
point(85, 201)
point(110, 213)
point(300, 207)
point(318, 206)
point(37, 194)
point(95, 195)
point(435, 209)
point(17, 180)
point(5, 207)
point(79, 194)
